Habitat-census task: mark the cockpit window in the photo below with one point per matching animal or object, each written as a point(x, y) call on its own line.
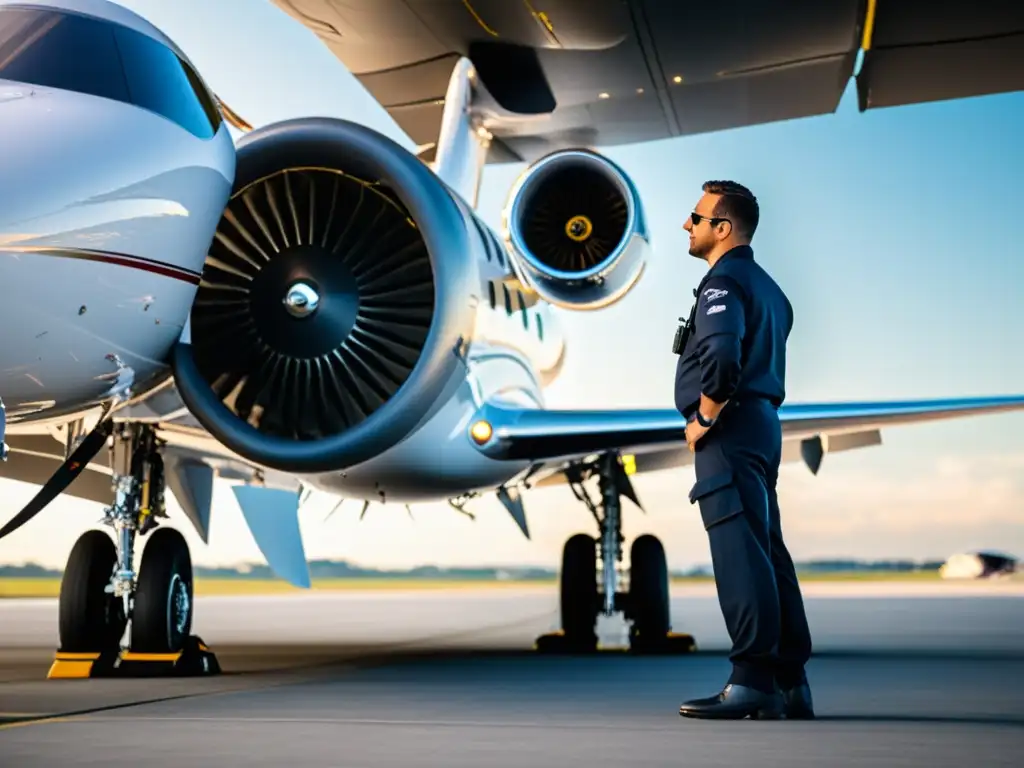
point(161, 82)
point(97, 57)
point(59, 51)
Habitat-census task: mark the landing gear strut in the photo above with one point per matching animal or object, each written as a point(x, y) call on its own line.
point(582, 600)
point(110, 613)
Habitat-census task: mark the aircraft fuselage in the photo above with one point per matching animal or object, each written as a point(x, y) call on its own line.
point(113, 182)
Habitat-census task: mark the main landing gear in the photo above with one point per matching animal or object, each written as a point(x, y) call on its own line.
point(587, 591)
point(103, 600)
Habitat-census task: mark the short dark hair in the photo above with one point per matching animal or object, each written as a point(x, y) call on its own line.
point(737, 203)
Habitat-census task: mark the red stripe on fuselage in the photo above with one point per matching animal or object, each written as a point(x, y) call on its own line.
point(120, 259)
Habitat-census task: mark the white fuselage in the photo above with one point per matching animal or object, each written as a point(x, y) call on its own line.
point(107, 210)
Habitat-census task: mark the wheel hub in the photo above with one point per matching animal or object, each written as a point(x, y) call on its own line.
point(178, 605)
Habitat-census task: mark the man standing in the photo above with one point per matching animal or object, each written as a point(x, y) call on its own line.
point(730, 382)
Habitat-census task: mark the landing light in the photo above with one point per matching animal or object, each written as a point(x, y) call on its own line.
point(481, 432)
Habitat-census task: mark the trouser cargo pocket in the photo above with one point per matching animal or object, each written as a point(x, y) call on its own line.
point(718, 497)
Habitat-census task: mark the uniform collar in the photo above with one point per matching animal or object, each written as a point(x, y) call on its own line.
point(737, 252)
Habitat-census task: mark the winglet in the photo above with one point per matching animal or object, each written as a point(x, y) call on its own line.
point(513, 502)
point(273, 518)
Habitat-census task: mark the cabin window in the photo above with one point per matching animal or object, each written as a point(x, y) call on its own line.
point(508, 300)
point(522, 306)
point(490, 291)
point(540, 326)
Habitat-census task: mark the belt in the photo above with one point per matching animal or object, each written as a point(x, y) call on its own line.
point(734, 402)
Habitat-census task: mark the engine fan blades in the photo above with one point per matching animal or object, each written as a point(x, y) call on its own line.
point(316, 301)
point(575, 221)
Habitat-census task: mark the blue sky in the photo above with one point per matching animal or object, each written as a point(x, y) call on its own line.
point(895, 234)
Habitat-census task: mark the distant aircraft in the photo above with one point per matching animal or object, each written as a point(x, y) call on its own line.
point(318, 308)
point(978, 565)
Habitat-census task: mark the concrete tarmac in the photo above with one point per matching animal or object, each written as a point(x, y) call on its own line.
point(903, 675)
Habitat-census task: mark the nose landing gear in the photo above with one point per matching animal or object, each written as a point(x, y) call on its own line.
point(645, 605)
point(104, 601)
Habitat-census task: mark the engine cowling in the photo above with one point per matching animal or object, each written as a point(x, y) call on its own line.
point(575, 225)
point(334, 299)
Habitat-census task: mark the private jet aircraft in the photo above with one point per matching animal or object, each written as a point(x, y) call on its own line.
point(319, 308)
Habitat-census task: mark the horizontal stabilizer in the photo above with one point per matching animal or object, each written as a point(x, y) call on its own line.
point(273, 519)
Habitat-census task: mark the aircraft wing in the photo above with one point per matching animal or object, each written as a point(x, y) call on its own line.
point(561, 73)
point(655, 439)
point(551, 441)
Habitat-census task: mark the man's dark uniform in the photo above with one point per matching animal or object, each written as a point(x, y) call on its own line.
point(736, 352)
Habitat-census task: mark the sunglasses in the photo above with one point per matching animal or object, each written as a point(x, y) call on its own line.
point(696, 219)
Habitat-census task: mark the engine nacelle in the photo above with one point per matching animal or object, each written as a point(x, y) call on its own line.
point(335, 299)
point(575, 226)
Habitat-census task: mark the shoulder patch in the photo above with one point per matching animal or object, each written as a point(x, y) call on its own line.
point(715, 293)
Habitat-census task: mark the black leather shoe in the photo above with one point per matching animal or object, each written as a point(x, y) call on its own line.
point(797, 703)
point(735, 702)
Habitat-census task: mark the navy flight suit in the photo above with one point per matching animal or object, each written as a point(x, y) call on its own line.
point(736, 351)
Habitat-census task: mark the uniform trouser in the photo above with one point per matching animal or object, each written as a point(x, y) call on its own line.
point(737, 467)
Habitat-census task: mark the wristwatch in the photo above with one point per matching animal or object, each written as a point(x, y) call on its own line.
point(707, 424)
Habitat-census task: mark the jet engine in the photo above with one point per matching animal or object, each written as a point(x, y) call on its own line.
point(334, 302)
point(575, 225)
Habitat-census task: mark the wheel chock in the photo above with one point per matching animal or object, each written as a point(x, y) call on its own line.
point(72, 666)
point(194, 660)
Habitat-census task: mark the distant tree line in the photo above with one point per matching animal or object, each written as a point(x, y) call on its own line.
point(847, 566)
point(340, 569)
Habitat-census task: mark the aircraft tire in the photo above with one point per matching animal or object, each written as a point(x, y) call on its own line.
point(649, 590)
point(578, 591)
point(162, 616)
point(90, 620)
